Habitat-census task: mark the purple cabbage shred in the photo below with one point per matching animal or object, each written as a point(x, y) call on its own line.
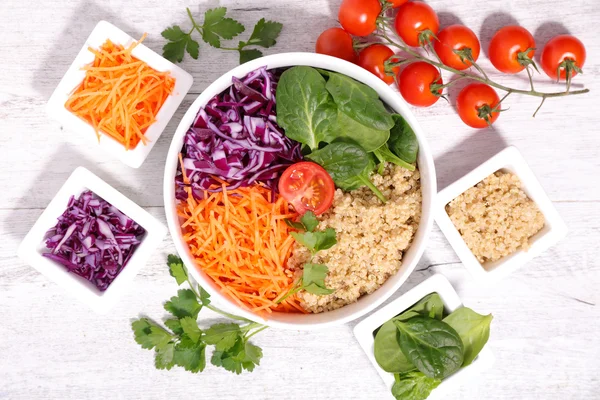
point(235, 137)
point(93, 239)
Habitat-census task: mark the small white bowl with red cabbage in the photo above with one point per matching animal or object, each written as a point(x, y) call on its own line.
point(237, 113)
point(91, 240)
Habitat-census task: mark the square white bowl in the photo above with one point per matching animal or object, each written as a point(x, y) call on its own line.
point(364, 332)
point(32, 247)
point(509, 160)
point(74, 76)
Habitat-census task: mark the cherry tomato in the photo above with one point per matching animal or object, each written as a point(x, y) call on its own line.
point(415, 83)
point(307, 186)
point(336, 42)
point(413, 18)
point(396, 3)
point(359, 17)
point(474, 102)
point(456, 37)
point(372, 58)
point(506, 45)
point(561, 51)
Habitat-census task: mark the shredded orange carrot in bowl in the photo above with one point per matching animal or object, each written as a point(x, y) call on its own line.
point(240, 239)
point(120, 95)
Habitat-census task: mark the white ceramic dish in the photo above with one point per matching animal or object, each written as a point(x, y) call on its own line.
point(33, 246)
point(436, 284)
point(510, 160)
point(75, 75)
point(428, 187)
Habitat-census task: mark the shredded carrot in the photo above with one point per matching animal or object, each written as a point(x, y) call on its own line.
point(120, 95)
point(240, 239)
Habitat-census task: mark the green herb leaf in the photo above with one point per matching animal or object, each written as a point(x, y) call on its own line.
point(177, 269)
point(310, 221)
point(414, 385)
point(387, 351)
point(241, 356)
point(184, 304)
point(313, 279)
point(174, 325)
point(163, 358)
point(223, 336)
point(341, 160)
point(316, 241)
point(249, 55)
point(150, 335)
point(216, 26)
point(296, 225)
point(403, 141)
point(384, 154)
point(473, 329)
point(359, 102)
point(190, 327)
point(305, 111)
point(174, 51)
point(265, 33)
point(193, 48)
point(204, 296)
point(433, 346)
point(174, 34)
point(190, 355)
point(430, 306)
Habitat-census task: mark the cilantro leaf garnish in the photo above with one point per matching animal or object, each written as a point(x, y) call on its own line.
point(316, 241)
point(183, 342)
point(217, 27)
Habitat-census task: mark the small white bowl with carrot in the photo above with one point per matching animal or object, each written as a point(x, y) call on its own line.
point(282, 216)
point(119, 93)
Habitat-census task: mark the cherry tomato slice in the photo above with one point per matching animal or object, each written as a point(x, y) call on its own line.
point(307, 186)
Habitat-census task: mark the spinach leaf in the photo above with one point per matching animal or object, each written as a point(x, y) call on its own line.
point(384, 153)
point(413, 385)
point(433, 346)
point(305, 109)
point(367, 137)
point(429, 306)
point(403, 141)
point(358, 101)
point(387, 351)
point(473, 329)
point(348, 164)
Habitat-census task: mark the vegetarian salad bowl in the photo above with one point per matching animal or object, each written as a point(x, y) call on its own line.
point(190, 189)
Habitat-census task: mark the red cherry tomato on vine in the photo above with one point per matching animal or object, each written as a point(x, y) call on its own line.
point(359, 17)
point(476, 101)
point(307, 186)
point(396, 3)
point(372, 58)
point(415, 83)
point(456, 37)
point(413, 18)
point(336, 42)
point(506, 45)
point(561, 51)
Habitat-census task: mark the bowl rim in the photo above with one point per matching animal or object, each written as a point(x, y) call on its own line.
point(428, 188)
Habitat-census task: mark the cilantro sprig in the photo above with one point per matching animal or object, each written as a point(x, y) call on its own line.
point(183, 342)
point(217, 27)
point(313, 275)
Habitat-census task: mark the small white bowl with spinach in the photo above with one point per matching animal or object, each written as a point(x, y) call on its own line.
point(425, 343)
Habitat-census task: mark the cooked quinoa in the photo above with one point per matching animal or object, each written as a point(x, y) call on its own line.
point(371, 235)
point(495, 217)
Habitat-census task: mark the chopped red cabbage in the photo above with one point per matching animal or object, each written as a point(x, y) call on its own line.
point(93, 239)
point(235, 137)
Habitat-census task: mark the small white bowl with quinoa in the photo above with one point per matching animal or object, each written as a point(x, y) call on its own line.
point(498, 217)
point(364, 269)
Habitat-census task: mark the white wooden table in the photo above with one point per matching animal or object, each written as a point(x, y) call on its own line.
point(546, 317)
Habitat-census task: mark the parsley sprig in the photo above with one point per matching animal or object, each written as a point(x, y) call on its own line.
point(217, 26)
point(313, 275)
point(183, 342)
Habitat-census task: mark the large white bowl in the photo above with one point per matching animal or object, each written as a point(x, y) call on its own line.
point(428, 188)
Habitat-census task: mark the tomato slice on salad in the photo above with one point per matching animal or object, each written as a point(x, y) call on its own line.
point(307, 186)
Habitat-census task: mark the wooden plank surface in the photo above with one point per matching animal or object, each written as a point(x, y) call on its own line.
point(546, 317)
